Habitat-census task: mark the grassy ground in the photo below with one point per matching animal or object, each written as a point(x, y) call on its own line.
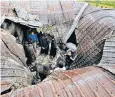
point(101, 3)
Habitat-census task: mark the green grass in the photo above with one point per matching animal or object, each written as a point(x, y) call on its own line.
point(101, 3)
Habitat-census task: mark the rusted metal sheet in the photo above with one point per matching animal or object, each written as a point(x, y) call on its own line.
point(84, 82)
point(94, 25)
point(109, 67)
point(13, 75)
point(31, 24)
point(13, 72)
point(10, 48)
point(5, 85)
point(108, 56)
point(93, 29)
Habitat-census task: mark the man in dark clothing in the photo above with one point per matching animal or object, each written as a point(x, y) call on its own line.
point(42, 71)
point(44, 44)
point(29, 52)
point(53, 47)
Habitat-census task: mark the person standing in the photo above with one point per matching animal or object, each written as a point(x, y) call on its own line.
point(71, 54)
point(33, 39)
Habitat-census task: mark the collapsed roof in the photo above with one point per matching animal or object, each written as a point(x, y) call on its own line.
point(95, 26)
point(85, 82)
point(31, 24)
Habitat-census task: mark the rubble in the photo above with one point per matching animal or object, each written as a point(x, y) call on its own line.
point(92, 25)
point(92, 35)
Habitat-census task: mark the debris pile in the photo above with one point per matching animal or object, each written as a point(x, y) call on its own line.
point(35, 48)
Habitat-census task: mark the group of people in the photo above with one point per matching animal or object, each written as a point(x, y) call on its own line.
point(44, 41)
point(30, 47)
point(33, 39)
point(69, 55)
point(48, 46)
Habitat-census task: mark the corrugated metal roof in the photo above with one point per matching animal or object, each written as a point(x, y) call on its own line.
point(108, 56)
point(13, 75)
point(5, 85)
point(93, 28)
point(32, 24)
point(110, 68)
point(94, 25)
point(85, 82)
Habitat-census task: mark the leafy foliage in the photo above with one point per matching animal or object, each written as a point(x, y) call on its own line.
point(100, 3)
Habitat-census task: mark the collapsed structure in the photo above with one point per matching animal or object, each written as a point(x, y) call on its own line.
point(88, 81)
point(95, 26)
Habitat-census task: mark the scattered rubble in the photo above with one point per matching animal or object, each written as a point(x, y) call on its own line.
point(92, 35)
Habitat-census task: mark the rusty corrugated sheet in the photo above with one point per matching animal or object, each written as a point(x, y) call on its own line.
point(10, 48)
point(5, 85)
point(13, 73)
point(85, 82)
point(110, 68)
point(108, 56)
point(94, 25)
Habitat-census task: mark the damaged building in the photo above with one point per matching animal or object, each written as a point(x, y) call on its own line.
point(28, 73)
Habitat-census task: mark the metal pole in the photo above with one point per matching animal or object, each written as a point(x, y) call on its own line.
point(75, 23)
